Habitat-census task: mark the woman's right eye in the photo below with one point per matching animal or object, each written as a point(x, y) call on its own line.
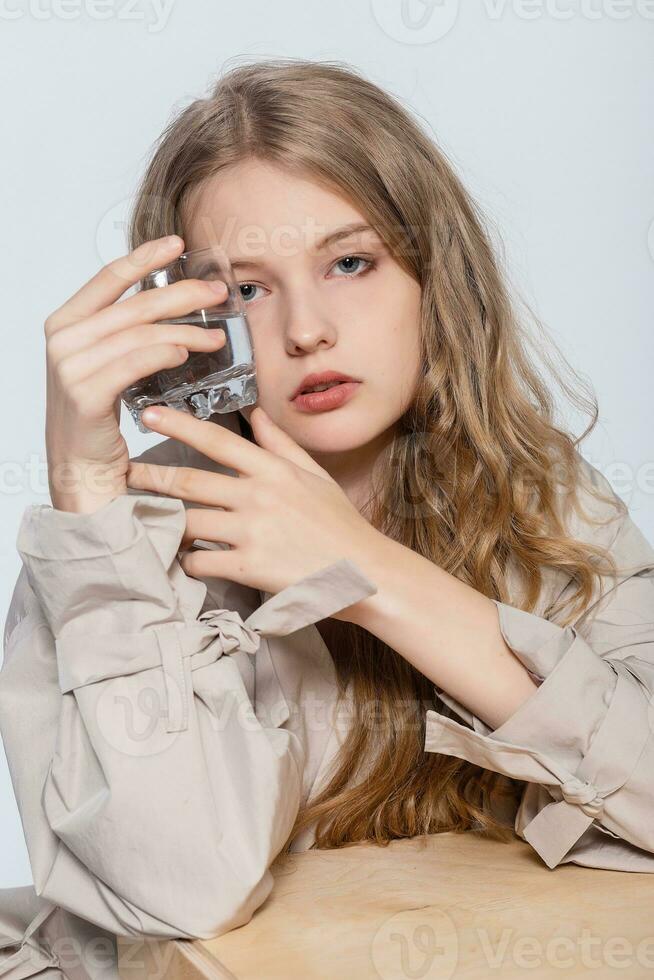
point(248, 285)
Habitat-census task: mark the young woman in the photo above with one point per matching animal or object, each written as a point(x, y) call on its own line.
point(484, 603)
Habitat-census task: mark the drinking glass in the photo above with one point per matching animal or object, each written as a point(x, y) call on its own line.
point(208, 381)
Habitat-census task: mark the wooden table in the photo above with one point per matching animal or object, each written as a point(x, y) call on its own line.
point(447, 905)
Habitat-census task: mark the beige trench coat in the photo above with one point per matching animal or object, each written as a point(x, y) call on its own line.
point(161, 730)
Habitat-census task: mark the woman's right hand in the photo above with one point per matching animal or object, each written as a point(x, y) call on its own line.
point(95, 348)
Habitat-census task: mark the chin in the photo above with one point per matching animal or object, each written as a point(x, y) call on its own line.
point(331, 438)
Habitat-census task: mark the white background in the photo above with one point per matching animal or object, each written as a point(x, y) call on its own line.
point(545, 109)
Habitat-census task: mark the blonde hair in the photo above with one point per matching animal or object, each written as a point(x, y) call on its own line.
point(478, 460)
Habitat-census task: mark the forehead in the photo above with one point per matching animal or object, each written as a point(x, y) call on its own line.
point(253, 208)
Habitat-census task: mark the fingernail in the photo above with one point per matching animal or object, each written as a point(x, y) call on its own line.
point(150, 415)
point(172, 240)
point(217, 285)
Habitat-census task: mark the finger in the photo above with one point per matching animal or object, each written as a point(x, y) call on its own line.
point(107, 285)
point(222, 563)
point(217, 442)
point(186, 483)
point(101, 389)
point(148, 306)
point(212, 525)
point(270, 436)
point(84, 363)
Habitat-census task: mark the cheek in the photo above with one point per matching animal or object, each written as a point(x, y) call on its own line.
point(395, 339)
point(262, 350)
point(269, 369)
point(399, 351)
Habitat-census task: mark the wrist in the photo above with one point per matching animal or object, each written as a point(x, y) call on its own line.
point(378, 561)
point(83, 488)
point(84, 503)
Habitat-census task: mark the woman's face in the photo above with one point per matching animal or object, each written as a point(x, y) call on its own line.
point(347, 306)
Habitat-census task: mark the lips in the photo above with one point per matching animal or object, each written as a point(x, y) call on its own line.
point(325, 377)
point(327, 400)
point(322, 387)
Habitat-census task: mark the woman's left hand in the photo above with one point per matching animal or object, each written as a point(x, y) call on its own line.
point(285, 516)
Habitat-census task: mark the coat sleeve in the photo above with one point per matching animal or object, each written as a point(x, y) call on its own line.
point(152, 797)
point(584, 740)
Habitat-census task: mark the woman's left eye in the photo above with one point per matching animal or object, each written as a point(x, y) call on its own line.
point(357, 258)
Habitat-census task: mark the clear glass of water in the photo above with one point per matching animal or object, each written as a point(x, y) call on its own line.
point(208, 381)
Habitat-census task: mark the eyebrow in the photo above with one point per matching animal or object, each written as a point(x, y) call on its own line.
point(346, 231)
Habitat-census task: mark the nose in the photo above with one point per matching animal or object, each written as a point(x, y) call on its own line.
point(307, 327)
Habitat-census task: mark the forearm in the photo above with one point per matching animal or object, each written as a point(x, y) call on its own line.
point(449, 631)
point(134, 764)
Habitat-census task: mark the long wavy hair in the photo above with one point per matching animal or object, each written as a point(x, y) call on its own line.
point(478, 465)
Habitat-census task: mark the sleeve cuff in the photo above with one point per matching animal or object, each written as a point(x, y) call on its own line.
point(84, 568)
point(580, 734)
point(558, 660)
point(48, 533)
